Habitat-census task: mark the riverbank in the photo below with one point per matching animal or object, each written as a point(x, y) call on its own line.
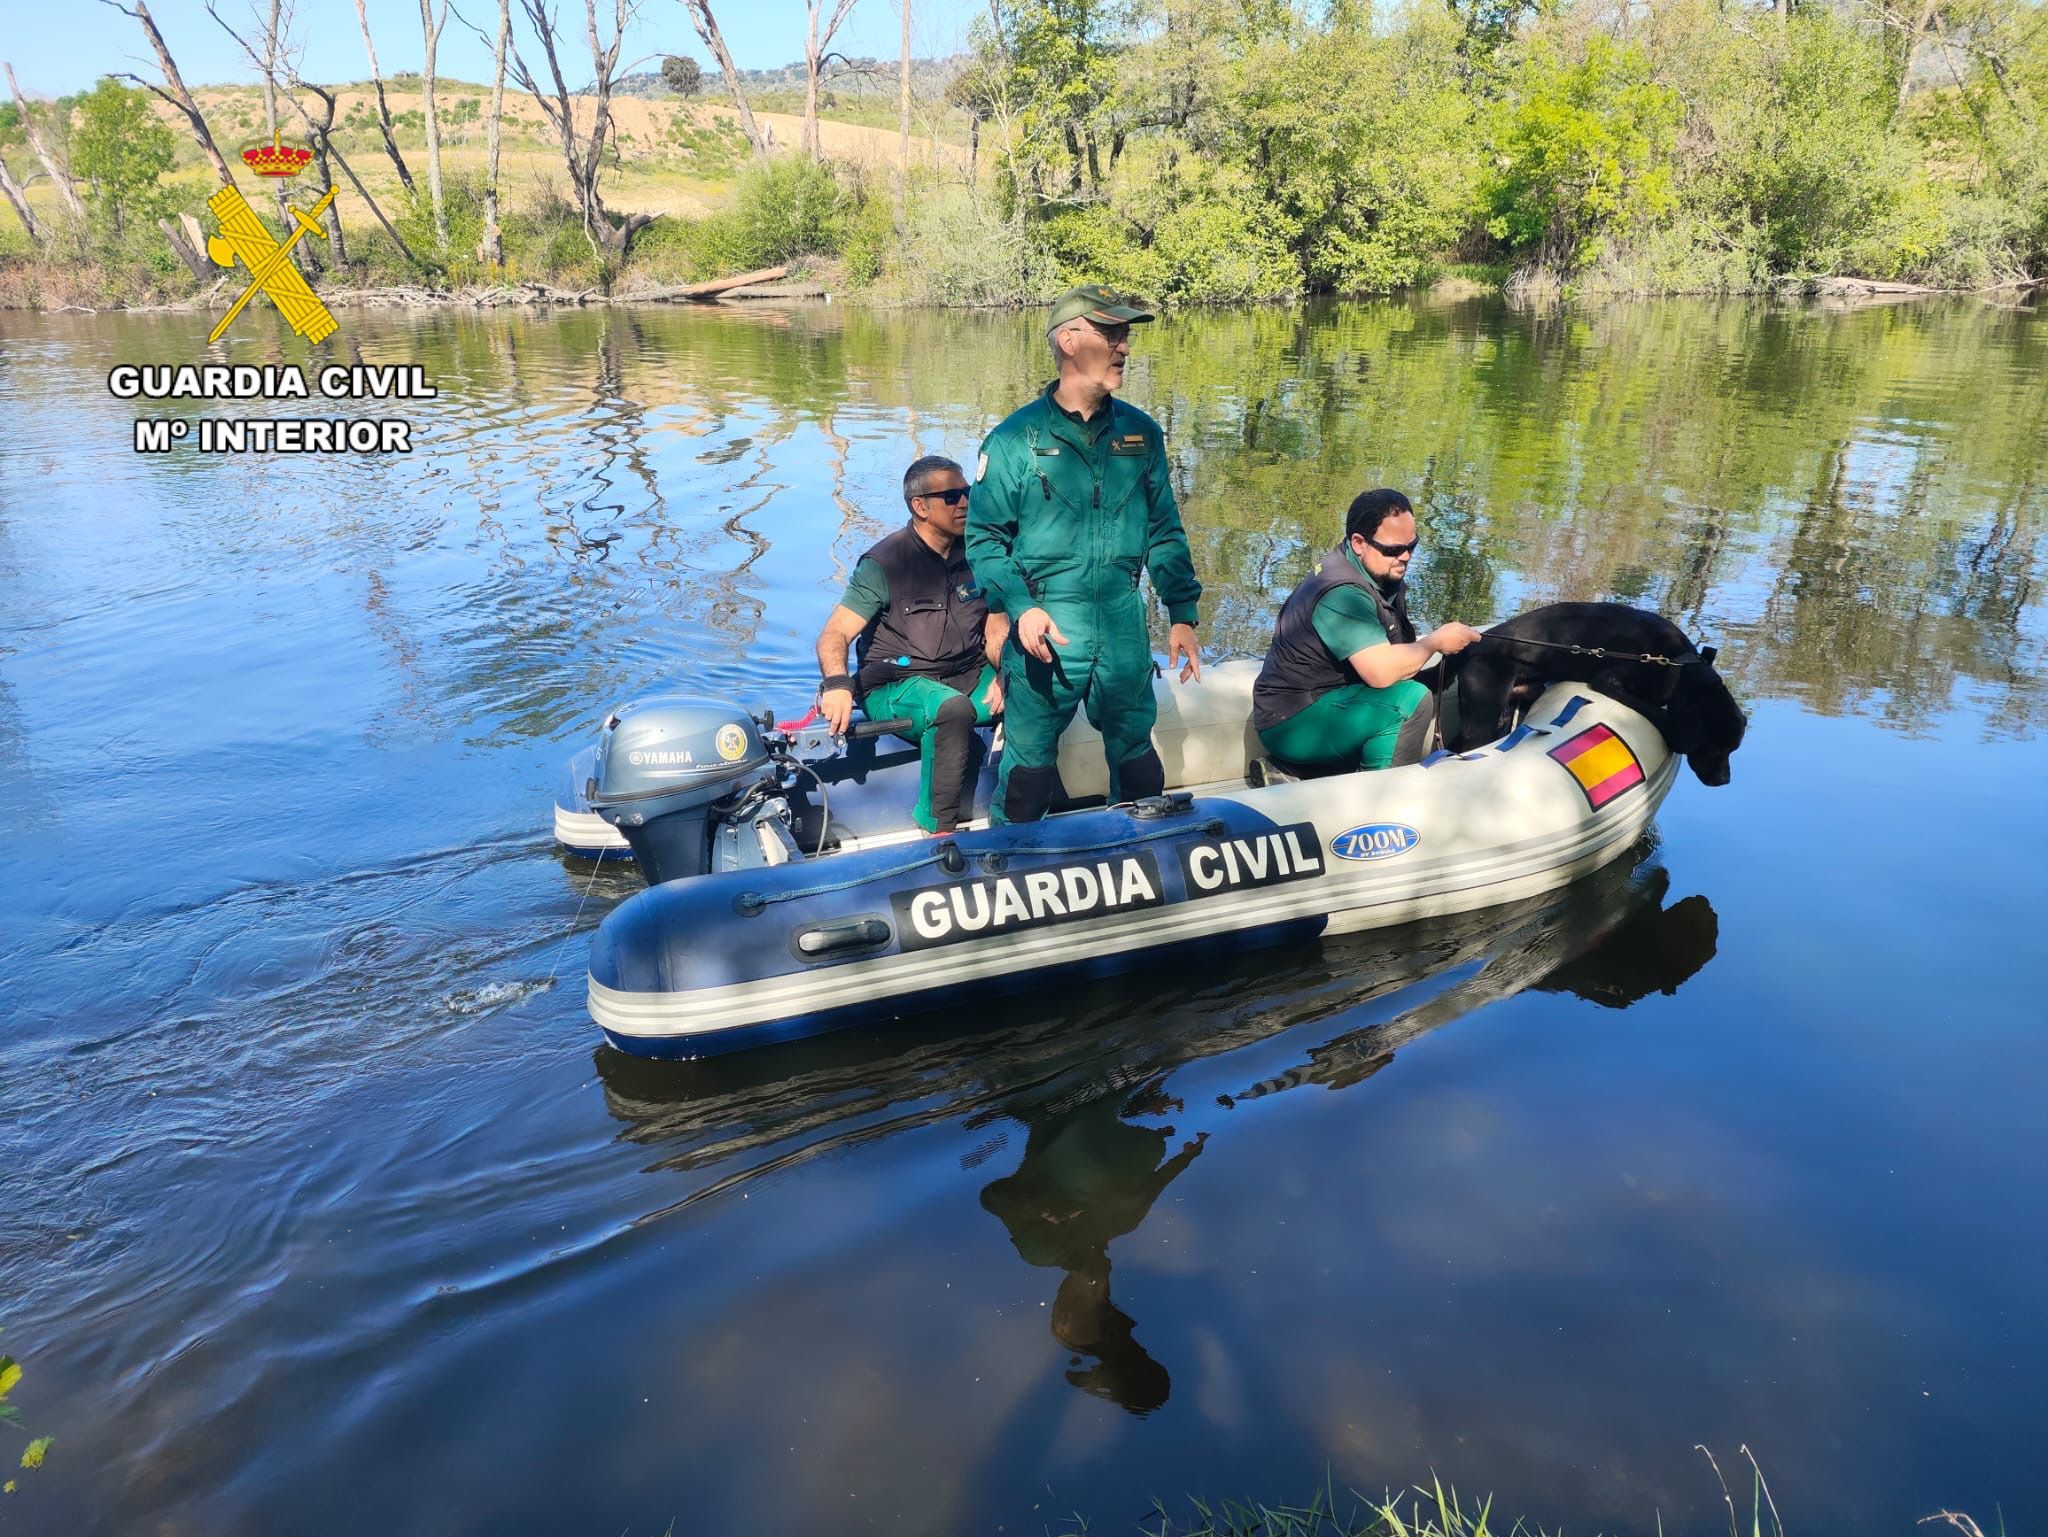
point(826, 283)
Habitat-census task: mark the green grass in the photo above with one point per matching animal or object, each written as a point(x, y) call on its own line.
point(1433, 1511)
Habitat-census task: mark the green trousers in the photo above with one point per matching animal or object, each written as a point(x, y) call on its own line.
point(1356, 726)
point(942, 721)
point(1109, 676)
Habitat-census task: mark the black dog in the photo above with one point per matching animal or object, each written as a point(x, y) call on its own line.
point(1688, 703)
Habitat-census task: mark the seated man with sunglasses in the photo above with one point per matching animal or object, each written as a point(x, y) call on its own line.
point(925, 643)
point(1338, 688)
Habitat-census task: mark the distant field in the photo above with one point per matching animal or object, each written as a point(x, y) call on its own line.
point(673, 157)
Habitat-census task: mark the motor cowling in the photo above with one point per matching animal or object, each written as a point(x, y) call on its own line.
point(663, 766)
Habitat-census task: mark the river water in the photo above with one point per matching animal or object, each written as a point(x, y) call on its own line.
point(325, 1210)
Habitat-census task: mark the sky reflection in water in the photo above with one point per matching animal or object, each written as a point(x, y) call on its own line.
point(333, 1215)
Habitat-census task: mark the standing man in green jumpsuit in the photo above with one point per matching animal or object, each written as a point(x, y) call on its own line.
point(1072, 502)
point(1338, 688)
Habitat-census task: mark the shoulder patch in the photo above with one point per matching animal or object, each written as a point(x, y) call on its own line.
point(981, 468)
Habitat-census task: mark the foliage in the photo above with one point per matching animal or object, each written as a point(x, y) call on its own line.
point(119, 149)
point(1363, 145)
point(1583, 151)
point(39, 1446)
point(682, 74)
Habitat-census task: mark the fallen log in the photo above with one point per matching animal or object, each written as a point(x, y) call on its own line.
point(709, 290)
point(774, 291)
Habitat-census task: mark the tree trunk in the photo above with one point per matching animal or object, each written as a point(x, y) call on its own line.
point(60, 175)
point(19, 200)
point(815, 48)
point(302, 253)
point(707, 30)
point(348, 170)
point(319, 141)
point(383, 107)
point(173, 89)
point(582, 155)
point(432, 30)
point(903, 122)
point(494, 241)
point(1913, 48)
point(182, 249)
point(810, 131)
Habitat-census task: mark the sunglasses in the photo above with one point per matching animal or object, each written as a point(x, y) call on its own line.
point(1395, 551)
point(952, 498)
point(1111, 334)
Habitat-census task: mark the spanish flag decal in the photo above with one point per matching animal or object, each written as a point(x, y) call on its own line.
point(1602, 764)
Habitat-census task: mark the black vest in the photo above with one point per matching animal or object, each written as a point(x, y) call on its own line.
point(1300, 668)
point(933, 624)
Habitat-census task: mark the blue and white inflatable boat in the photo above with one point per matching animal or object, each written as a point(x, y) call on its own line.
point(772, 917)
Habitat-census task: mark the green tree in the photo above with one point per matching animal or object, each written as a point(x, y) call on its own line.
point(682, 74)
point(1583, 151)
point(119, 148)
point(1362, 143)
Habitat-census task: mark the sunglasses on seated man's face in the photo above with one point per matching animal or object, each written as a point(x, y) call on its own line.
point(1394, 551)
point(952, 498)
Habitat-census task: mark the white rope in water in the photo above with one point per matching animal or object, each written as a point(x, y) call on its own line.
point(596, 869)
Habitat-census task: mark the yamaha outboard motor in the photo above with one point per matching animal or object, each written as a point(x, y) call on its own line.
point(668, 770)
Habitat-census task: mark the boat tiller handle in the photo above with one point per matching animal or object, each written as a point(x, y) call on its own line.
point(870, 728)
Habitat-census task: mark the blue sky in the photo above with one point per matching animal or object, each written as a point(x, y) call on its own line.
point(60, 46)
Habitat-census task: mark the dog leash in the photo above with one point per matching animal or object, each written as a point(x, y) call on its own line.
point(1705, 658)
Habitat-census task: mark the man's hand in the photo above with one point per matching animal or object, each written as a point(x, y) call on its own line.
point(1180, 642)
point(836, 705)
point(1449, 639)
point(1035, 630)
point(992, 697)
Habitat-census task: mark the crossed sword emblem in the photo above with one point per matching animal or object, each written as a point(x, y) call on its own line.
point(270, 269)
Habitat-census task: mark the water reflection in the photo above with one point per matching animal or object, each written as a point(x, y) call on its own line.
point(1090, 1175)
point(1090, 1079)
point(277, 748)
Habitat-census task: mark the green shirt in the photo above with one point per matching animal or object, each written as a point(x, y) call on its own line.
point(867, 590)
point(1346, 618)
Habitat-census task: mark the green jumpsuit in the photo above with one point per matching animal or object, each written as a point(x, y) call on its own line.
point(1066, 515)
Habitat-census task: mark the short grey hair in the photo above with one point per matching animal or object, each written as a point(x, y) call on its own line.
point(917, 480)
point(1052, 340)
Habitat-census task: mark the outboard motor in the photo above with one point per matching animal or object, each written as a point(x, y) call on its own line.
point(669, 770)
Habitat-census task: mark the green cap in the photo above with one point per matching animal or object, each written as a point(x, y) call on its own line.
point(1091, 301)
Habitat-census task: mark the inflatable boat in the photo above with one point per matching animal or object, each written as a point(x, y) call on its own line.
point(777, 911)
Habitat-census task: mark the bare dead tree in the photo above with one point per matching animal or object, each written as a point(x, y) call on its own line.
point(322, 142)
point(19, 200)
point(319, 137)
point(270, 31)
point(903, 122)
point(430, 28)
point(59, 173)
point(494, 238)
point(582, 153)
point(173, 89)
point(815, 49)
point(707, 30)
point(383, 107)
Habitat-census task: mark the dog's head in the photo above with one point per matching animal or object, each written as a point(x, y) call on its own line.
point(1706, 724)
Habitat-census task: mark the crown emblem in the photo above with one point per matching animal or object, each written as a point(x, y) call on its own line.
point(276, 159)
